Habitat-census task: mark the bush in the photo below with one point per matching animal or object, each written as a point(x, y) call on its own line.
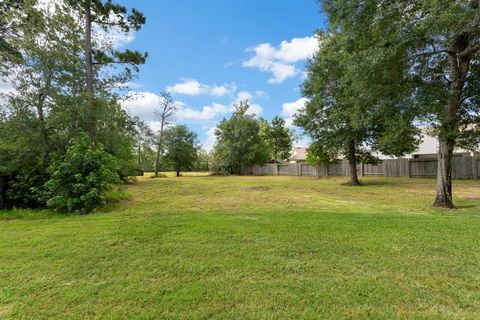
point(26, 189)
point(80, 180)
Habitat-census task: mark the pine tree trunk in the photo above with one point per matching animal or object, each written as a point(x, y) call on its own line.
point(89, 71)
point(353, 164)
point(444, 196)
point(178, 172)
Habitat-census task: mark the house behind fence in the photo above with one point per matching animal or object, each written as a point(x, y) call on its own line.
point(464, 167)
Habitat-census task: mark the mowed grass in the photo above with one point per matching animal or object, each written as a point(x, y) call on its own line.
point(249, 248)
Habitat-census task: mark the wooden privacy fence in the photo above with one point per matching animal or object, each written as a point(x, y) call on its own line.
point(465, 167)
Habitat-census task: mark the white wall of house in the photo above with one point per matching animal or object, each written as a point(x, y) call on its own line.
point(428, 148)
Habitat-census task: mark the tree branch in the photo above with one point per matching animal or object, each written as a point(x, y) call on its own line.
point(469, 50)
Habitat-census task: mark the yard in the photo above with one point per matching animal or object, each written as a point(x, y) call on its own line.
point(249, 248)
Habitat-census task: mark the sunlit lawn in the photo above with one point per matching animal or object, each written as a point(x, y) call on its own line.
point(249, 248)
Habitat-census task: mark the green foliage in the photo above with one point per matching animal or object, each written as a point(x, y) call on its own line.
point(13, 14)
point(239, 142)
point(80, 180)
point(101, 14)
point(48, 110)
point(318, 155)
point(203, 160)
point(353, 108)
point(182, 148)
point(27, 188)
point(278, 138)
point(422, 63)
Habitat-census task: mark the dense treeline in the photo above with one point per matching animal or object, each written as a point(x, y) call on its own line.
point(384, 68)
point(64, 136)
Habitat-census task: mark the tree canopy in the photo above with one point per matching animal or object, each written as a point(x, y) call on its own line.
point(49, 109)
point(343, 114)
point(182, 148)
point(408, 63)
point(239, 142)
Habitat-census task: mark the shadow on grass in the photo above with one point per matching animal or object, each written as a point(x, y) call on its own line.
point(368, 183)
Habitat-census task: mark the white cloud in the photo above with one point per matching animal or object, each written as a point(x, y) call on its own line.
point(220, 91)
point(192, 87)
point(207, 112)
point(289, 109)
point(188, 87)
point(255, 109)
point(297, 49)
point(142, 104)
point(211, 139)
point(247, 95)
point(282, 72)
point(244, 95)
point(281, 61)
point(119, 38)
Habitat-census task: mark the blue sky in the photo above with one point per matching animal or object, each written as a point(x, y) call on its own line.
point(211, 53)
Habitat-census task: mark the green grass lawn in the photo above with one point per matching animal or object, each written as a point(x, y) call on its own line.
point(249, 248)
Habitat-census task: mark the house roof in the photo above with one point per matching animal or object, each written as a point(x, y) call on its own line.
point(298, 154)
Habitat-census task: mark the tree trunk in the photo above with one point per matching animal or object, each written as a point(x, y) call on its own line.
point(352, 161)
point(89, 71)
point(444, 196)
point(44, 133)
point(178, 172)
point(139, 150)
point(159, 148)
point(459, 67)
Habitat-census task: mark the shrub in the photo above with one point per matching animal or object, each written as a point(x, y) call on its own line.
point(80, 180)
point(26, 189)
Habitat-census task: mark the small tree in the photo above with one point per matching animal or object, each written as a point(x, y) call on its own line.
point(280, 139)
point(167, 109)
point(81, 178)
point(145, 139)
point(182, 147)
point(239, 143)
